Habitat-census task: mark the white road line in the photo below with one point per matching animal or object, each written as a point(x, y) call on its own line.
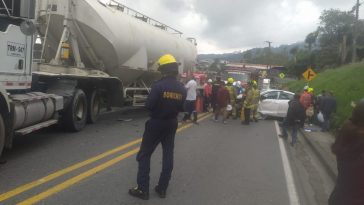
point(292, 193)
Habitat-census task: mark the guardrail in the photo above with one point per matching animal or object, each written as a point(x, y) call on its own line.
point(142, 17)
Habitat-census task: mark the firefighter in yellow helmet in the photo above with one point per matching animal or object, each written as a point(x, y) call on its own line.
point(255, 100)
point(232, 93)
point(248, 104)
point(165, 101)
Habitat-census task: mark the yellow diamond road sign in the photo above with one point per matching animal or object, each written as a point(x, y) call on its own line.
point(281, 75)
point(309, 74)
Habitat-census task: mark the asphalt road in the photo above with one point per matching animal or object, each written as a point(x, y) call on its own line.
point(214, 164)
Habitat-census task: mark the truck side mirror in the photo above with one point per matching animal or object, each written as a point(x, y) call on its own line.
point(27, 28)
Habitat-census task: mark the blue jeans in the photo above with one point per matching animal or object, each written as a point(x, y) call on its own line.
point(294, 127)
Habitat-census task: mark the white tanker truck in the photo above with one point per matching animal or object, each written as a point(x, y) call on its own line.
point(61, 59)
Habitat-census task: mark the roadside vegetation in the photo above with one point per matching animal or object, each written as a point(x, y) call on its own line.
point(347, 84)
point(328, 47)
point(329, 50)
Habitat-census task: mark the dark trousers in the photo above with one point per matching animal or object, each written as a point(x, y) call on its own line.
point(247, 115)
point(326, 123)
point(206, 103)
point(294, 126)
point(190, 108)
point(156, 131)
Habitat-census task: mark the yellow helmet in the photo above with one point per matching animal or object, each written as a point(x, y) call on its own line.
point(166, 59)
point(230, 80)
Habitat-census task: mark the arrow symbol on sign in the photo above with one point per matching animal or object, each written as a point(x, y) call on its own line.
point(309, 75)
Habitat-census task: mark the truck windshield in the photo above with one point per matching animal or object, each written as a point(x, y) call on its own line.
point(243, 77)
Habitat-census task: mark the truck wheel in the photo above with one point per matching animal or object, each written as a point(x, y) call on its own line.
point(2, 134)
point(94, 105)
point(75, 115)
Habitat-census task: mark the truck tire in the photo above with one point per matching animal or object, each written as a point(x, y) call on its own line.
point(94, 105)
point(2, 134)
point(75, 115)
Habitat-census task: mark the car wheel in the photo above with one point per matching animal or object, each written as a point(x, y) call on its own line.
point(263, 116)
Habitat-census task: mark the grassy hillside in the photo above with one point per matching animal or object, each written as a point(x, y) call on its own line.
point(347, 84)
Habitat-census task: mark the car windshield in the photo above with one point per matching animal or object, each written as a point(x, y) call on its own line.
point(270, 95)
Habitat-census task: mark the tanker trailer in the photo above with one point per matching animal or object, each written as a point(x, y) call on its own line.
point(109, 39)
point(85, 51)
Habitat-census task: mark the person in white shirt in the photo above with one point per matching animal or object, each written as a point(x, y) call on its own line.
point(190, 106)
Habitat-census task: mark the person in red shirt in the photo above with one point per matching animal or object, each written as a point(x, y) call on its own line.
point(207, 94)
point(223, 100)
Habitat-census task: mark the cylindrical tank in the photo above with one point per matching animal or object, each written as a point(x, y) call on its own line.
point(31, 108)
point(127, 46)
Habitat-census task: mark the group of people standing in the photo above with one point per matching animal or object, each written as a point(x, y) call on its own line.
point(232, 99)
point(318, 109)
point(168, 97)
point(308, 107)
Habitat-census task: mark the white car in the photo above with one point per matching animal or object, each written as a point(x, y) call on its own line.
point(274, 103)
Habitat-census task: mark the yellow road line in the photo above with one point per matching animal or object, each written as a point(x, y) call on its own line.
point(76, 179)
point(62, 172)
point(50, 177)
point(57, 188)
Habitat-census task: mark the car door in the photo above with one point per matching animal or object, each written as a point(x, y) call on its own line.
point(269, 103)
point(283, 99)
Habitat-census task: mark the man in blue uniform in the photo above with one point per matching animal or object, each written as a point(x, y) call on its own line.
point(164, 102)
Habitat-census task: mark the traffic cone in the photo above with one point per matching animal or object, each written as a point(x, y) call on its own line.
point(199, 104)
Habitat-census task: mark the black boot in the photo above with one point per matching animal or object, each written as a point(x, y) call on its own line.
point(195, 117)
point(138, 193)
point(161, 193)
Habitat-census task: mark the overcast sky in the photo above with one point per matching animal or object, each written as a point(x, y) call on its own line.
point(231, 25)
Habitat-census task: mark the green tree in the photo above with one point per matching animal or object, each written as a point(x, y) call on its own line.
point(294, 52)
point(335, 36)
point(311, 39)
point(304, 59)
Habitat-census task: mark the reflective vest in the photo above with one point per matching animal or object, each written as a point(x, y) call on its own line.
point(232, 93)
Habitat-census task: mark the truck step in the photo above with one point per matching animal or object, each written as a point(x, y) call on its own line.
point(139, 100)
point(35, 127)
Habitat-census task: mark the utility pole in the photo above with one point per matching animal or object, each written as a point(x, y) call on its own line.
point(269, 43)
point(355, 30)
point(269, 53)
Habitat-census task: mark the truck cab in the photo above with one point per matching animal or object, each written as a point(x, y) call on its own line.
point(21, 110)
point(16, 43)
